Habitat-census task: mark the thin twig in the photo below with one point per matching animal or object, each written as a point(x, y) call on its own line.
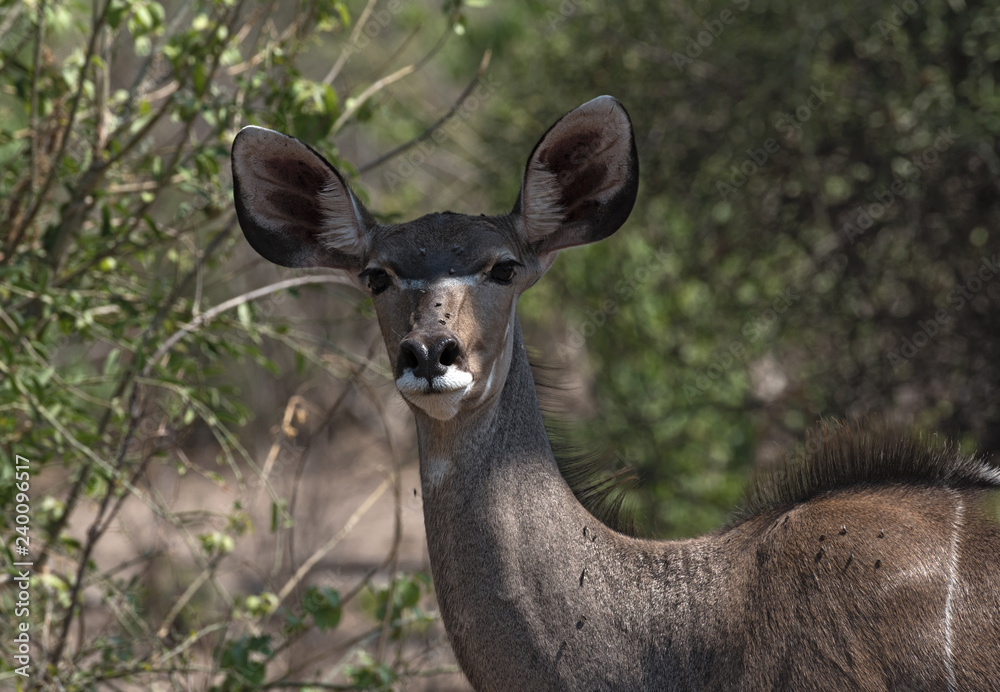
point(369, 92)
point(397, 532)
point(250, 296)
point(189, 641)
point(483, 64)
point(145, 186)
point(9, 18)
point(291, 407)
point(391, 58)
point(188, 594)
point(327, 420)
point(33, 144)
point(352, 43)
point(322, 551)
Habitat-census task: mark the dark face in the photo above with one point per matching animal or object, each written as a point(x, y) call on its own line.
point(445, 289)
point(445, 286)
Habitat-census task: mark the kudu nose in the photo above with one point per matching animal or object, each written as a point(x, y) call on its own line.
point(428, 355)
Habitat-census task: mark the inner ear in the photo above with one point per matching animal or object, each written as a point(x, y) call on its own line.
point(581, 179)
point(294, 207)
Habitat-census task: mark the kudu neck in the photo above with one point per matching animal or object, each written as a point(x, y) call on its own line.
point(506, 428)
point(530, 585)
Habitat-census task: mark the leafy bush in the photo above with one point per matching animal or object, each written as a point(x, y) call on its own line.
point(115, 127)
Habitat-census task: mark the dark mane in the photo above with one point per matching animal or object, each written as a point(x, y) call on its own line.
point(840, 454)
point(835, 455)
point(593, 477)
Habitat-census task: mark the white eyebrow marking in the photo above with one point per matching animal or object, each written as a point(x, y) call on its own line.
point(448, 282)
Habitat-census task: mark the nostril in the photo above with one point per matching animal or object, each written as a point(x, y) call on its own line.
point(409, 355)
point(450, 353)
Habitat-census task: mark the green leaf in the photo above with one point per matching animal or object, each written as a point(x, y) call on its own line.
point(200, 23)
point(324, 606)
point(239, 660)
point(216, 543)
point(345, 15)
point(368, 675)
point(275, 515)
point(116, 12)
point(111, 362)
point(243, 312)
point(199, 78)
point(45, 375)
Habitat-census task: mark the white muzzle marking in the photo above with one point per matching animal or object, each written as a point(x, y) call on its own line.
point(439, 398)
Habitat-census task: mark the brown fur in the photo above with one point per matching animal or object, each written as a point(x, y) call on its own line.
point(870, 565)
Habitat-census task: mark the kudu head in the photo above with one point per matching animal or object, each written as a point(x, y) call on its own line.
point(444, 286)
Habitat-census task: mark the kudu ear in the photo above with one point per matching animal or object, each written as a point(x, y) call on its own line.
point(293, 206)
point(581, 179)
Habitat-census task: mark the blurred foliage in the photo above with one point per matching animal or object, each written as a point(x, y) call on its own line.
point(116, 120)
point(816, 231)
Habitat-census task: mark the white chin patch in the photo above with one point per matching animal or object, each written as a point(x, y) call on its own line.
point(440, 398)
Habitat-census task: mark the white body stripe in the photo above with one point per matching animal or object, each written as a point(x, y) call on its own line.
point(949, 604)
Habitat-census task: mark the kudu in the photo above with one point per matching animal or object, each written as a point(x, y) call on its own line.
point(873, 564)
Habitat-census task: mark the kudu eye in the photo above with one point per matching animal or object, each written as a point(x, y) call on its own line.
point(378, 280)
point(503, 272)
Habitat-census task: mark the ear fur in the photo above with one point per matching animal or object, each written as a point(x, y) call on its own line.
point(581, 179)
point(293, 206)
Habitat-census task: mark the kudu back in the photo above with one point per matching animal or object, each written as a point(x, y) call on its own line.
point(873, 563)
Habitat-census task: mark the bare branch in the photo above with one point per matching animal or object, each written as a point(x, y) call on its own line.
point(250, 296)
point(352, 43)
point(369, 92)
point(483, 64)
point(33, 144)
point(322, 551)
